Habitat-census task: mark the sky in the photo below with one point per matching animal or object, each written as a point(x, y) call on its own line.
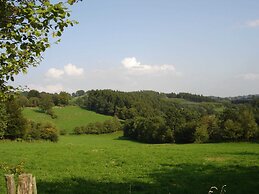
point(203, 47)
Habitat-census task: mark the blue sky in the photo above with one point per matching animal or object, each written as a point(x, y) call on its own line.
point(204, 47)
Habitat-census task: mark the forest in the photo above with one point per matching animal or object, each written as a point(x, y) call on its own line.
point(145, 116)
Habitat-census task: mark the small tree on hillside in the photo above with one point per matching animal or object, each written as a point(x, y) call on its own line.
point(46, 104)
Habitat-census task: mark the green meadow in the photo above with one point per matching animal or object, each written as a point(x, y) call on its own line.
point(111, 164)
point(68, 118)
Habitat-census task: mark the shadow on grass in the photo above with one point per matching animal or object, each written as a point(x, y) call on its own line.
point(174, 179)
point(130, 139)
point(39, 111)
point(244, 153)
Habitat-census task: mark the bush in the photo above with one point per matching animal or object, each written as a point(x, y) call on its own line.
point(45, 131)
point(108, 126)
point(63, 132)
point(79, 130)
point(49, 132)
point(51, 113)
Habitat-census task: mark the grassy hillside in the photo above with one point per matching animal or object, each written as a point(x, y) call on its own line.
point(69, 117)
point(110, 164)
point(217, 106)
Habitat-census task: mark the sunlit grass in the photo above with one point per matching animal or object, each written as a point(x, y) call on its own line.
point(111, 164)
point(68, 118)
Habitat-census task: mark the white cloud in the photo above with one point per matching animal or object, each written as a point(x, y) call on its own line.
point(54, 73)
point(131, 64)
point(250, 76)
point(72, 70)
point(69, 70)
point(253, 23)
point(129, 75)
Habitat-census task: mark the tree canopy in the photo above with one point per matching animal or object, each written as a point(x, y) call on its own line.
point(27, 29)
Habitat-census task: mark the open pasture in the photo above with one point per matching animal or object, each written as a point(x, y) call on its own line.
point(111, 164)
point(68, 118)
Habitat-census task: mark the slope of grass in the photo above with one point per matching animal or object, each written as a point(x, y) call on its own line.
point(218, 107)
point(69, 117)
point(110, 164)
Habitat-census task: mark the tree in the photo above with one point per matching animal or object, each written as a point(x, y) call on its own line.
point(46, 103)
point(151, 130)
point(33, 93)
point(248, 123)
point(22, 100)
point(3, 119)
point(79, 93)
point(16, 123)
point(63, 98)
point(201, 134)
point(26, 27)
point(34, 101)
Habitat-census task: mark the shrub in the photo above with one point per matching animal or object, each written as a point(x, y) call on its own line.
point(108, 126)
point(79, 130)
point(63, 132)
point(112, 125)
point(49, 132)
point(33, 131)
point(51, 113)
point(45, 131)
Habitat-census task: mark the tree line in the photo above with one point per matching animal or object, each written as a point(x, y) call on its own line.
point(150, 117)
point(147, 116)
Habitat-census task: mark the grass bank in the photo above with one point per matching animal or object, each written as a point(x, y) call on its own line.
point(68, 118)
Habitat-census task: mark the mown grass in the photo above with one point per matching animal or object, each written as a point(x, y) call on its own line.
point(111, 164)
point(68, 118)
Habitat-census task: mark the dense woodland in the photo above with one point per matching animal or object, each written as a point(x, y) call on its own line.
point(146, 116)
point(157, 118)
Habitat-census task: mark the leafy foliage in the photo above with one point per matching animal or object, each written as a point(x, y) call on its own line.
point(45, 131)
point(15, 126)
point(26, 28)
point(150, 117)
point(107, 126)
point(16, 123)
point(150, 130)
point(15, 169)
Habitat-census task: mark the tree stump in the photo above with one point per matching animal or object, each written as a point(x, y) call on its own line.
point(26, 184)
point(10, 184)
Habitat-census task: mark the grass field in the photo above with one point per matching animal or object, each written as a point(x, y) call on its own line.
point(110, 164)
point(218, 107)
point(69, 117)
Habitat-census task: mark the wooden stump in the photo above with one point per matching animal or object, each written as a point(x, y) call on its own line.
point(10, 184)
point(34, 186)
point(26, 184)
